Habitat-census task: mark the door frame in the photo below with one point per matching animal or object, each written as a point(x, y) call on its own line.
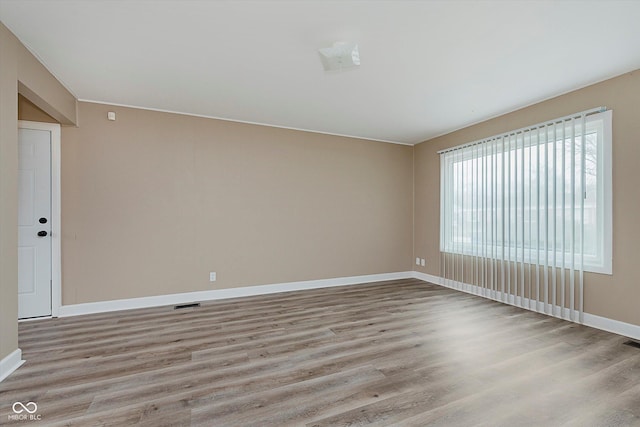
point(56, 240)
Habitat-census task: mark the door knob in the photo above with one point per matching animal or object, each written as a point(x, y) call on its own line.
point(42, 220)
point(42, 233)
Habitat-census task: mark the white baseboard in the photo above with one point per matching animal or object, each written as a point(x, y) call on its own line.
point(610, 325)
point(592, 320)
point(216, 294)
point(427, 278)
point(10, 363)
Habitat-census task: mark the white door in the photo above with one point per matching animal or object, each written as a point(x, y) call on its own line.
point(34, 223)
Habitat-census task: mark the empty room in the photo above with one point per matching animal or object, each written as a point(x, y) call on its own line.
point(319, 213)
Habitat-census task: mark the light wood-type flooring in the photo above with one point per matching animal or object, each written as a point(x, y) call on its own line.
point(403, 353)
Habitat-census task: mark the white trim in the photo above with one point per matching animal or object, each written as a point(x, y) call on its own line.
point(436, 280)
point(56, 210)
point(10, 363)
point(592, 320)
point(225, 119)
point(610, 325)
point(189, 297)
point(33, 319)
point(607, 192)
point(56, 222)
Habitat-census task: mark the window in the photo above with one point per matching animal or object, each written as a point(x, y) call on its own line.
point(539, 195)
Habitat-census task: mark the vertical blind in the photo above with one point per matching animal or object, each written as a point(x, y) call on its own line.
point(521, 213)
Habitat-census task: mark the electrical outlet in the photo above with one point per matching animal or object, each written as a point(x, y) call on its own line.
point(212, 276)
point(422, 262)
point(417, 261)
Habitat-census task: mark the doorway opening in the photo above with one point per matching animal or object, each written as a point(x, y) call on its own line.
point(39, 238)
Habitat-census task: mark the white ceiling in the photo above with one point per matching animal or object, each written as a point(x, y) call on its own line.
point(428, 67)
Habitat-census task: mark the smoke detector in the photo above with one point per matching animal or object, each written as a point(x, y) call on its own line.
point(340, 56)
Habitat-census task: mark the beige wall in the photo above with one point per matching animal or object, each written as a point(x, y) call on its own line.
point(19, 71)
point(43, 90)
point(27, 110)
point(8, 194)
point(615, 296)
point(153, 202)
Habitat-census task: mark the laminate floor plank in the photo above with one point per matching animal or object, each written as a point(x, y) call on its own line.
point(286, 405)
point(401, 352)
